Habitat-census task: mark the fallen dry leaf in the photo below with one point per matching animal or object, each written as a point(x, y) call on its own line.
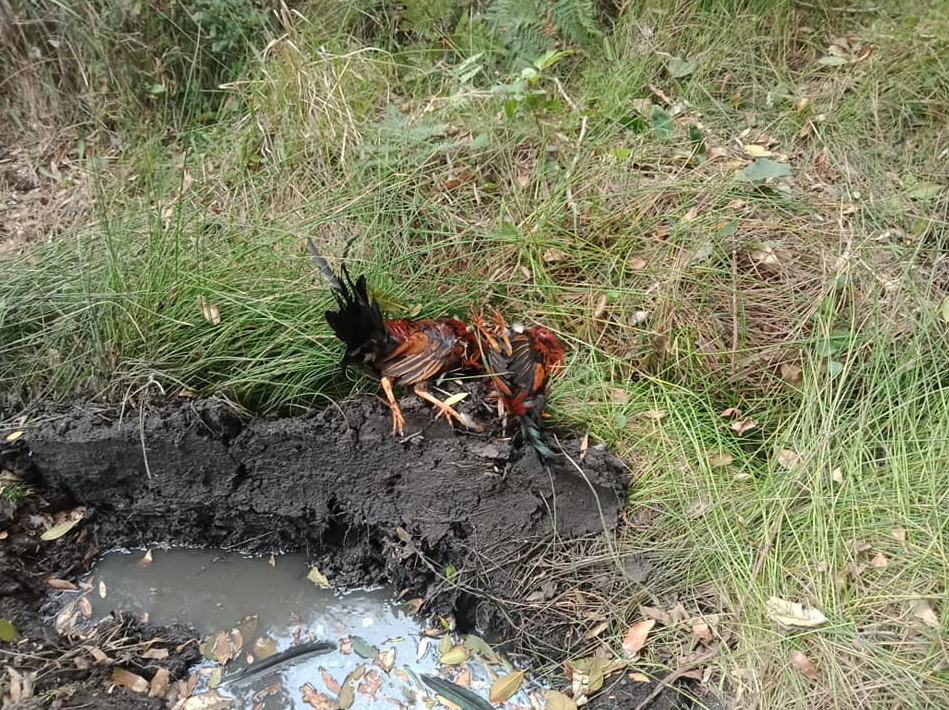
point(318, 700)
point(791, 374)
point(370, 684)
point(703, 633)
point(596, 630)
point(463, 678)
point(85, 607)
point(554, 254)
point(636, 635)
point(803, 665)
point(837, 475)
point(619, 396)
point(211, 700)
point(159, 684)
point(639, 677)
point(636, 263)
point(788, 458)
point(57, 583)
point(730, 413)
point(655, 613)
point(742, 425)
point(924, 612)
point(385, 659)
point(146, 559)
point(766, 256)
point(329, 681)
point(208, 311)
point(129, 680)
point(718, 459)
point(899, 534)
point(654, 414)
point(793, 615)
point(60, 529)
point(505, 686)
point(879, 561)
point(600, 308)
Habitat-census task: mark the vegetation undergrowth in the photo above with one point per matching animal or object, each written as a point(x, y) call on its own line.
point(734, 213)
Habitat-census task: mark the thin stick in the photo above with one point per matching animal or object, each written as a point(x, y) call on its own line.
point(674, 676)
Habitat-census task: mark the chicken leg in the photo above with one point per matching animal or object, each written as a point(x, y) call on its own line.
point(398, 421)
point(446, 410)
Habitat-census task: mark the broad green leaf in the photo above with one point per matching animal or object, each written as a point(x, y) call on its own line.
point(462, 697)
point(660, 121)
point(927, 191)
point(8, 631)
point(363, 647)
point(680, 67)
point(944, 310)
point(831, 61)
point(728, 229)
point(504, 687)
point(834, 367)
point(478, 645)
point(620, 153)
point(764, 168)
point(455, 655)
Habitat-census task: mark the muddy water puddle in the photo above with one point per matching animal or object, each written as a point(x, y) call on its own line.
point(275, 639)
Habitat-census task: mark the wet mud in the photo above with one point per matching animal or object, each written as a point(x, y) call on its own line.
point(367, 507)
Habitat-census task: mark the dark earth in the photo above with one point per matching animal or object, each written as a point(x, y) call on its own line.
point(368, 508)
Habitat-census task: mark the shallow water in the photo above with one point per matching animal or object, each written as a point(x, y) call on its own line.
point(214, 591)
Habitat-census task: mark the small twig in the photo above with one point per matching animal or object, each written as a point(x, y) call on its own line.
point(563, 93)
point(674, 676)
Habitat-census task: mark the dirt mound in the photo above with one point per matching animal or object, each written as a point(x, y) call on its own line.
point(369, 508)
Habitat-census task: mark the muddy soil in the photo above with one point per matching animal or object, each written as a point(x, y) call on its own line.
point(367, 507)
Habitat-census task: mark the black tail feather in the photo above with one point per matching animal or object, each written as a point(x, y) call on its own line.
point(358, 322)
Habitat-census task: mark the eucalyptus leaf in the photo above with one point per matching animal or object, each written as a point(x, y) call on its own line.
point(462, 697)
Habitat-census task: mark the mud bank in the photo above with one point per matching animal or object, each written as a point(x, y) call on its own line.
point(368, 507)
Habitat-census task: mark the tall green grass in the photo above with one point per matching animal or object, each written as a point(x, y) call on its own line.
point(682, 289)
